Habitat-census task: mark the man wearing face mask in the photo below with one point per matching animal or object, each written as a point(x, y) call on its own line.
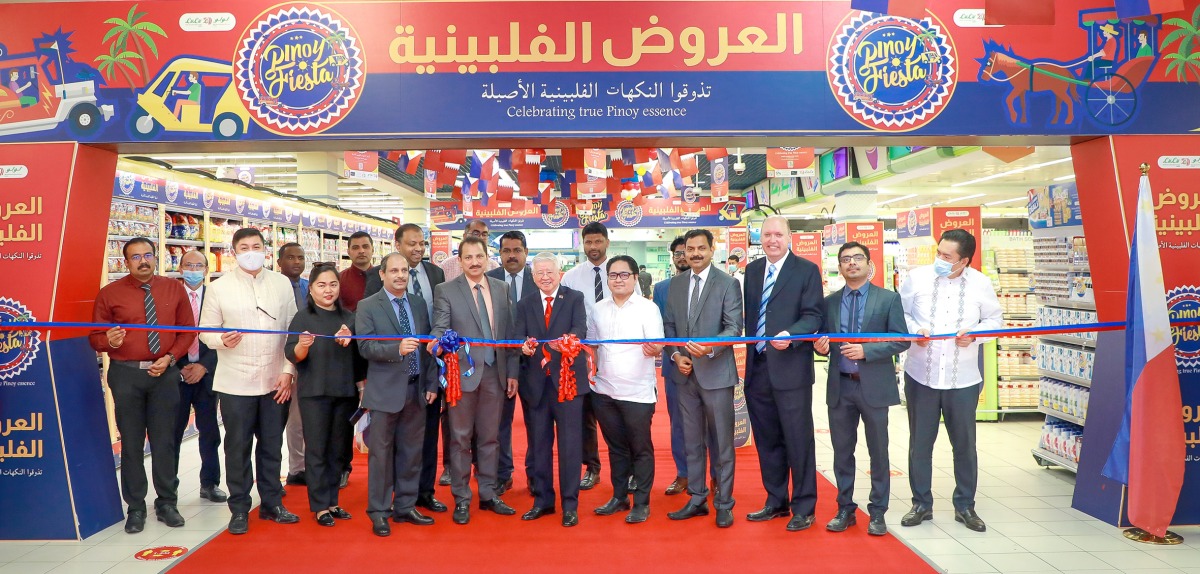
point(942, 378)
point(196, 369)
point(254, 378)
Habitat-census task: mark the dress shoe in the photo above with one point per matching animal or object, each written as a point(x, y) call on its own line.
point(444, 480)
point(613, 506)
point(590, 480)
point(631, 486)
point(677, 487)
point(413, 517)
point(213, 494)
point(169, 515)
point(798, 523)
point(136, 521)
point(379, 525)
point(844, 519)
point(428, 502)
point(462, 513)
point(296, 479)
point(724, 518)
point(971, 520)
point(638, 515)
point(504, 487)
point(339, 513)
point(498, 506)
point(325, 519)
point(877, 527)
point(691, 510)
point(278, 515)
point(538, 512)
point(768, 513)
point(917, 515)
point(239, 523)
point(342, 482)
point(570, 518)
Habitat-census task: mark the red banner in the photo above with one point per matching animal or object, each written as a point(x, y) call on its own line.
point(739, 244)
point(870, 234)
point(439, 246)
point(807, 245)
point(966, 218)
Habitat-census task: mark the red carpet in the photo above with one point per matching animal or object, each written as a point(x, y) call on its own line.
point(492, 543)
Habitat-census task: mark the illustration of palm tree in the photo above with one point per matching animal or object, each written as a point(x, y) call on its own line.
point(118, 61)
point(1186, 59)
point(131, 30)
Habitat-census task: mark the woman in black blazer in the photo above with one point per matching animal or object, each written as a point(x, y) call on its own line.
point(328, 371)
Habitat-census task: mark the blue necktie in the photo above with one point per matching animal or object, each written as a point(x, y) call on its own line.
point(406, 329)
point(761, 330)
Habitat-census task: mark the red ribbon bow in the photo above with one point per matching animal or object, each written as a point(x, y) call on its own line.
point(570, 347)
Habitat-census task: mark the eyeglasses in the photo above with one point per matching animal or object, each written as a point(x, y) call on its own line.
point(544, 273)
point(853, 258)
point(147, 257)
point(679, 254)
point(623, 276)
point(195, 266)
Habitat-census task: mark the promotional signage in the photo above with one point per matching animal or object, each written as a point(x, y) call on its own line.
point(654, 212)
point(439, 246)
point(967, 218)
point(1054, 206)
point(791, 162)
point(460, 70)
point(870, 234)
point(807, 245)
point(55, 446)
point(362, 165)
point(739, 245)
point(914, 223)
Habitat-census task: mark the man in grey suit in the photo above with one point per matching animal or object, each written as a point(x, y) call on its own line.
point(703, 303)
point(477, 306)
point(399, 386)
point(862, 383)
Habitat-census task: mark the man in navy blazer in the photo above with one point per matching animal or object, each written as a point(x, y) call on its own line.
point(196, 370)
point(783, 297)
point(549, 312)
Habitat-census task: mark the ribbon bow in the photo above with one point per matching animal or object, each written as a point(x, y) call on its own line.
point(449, 374)
point(570, 346)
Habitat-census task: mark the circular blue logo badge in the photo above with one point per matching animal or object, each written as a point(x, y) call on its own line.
point(629, 214)
point(172, 191)
point(18, 349)
point(125, 181)
point(1183, 304)
point(558, 215)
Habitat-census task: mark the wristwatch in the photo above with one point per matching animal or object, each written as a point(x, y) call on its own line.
point(172, 359)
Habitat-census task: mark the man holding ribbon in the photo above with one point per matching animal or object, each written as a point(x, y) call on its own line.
point(941, 377)
point(553, 391)
point(477, 307)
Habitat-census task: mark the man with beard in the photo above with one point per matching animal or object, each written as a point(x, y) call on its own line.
point(291, 265)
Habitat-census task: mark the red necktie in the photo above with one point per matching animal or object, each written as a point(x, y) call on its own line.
point(549, 307)
point(194, 350)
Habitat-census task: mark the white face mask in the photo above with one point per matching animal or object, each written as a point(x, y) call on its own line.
point(943, 268)
point(251, 260)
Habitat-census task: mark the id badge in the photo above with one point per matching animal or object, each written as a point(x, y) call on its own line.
point(145, 365)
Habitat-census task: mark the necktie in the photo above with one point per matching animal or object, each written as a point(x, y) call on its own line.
point(694, 303)
point(549, 306)
point(194, 350)
point(406, 329)
point(761, 330)
point(512, 288)
point(854, 295)
point(599, 285)
point(489, 353)
point(151, 319)
point(412, 278)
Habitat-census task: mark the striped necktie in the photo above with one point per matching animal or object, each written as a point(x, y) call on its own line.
point(406, 329)
point(761, 330)
point(151, 320)
point(599, 285)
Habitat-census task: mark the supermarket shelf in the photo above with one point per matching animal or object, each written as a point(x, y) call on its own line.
point(128, 237)
point(1009, 410)
point(1021, 316)
point(1016, 347)
point(1014, 270)
point(187, 242)
point(1061, 415)
point(1069, 268)
point(1019, 377)
point(1065, 378)
point(1044, 456)
point(1069, 340)
point(186, 210)
point(1068, 304)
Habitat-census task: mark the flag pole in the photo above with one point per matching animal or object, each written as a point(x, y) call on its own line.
point(1137, 534)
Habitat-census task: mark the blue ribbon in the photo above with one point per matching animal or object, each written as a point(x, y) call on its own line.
point(450, 342)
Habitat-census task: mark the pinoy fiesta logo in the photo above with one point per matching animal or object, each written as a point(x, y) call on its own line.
point(299, 69)
point(558, 215)
point(1183, 304)
point(891, 73)
point(629, 214)
point(18, 349)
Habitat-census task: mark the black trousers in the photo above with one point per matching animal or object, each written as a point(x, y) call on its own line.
point(591, 438)
point(201, 397)
point(326, 424)
point(248, 418)
point(146, 408)
point(843, 433)
point(626, 428)
point(429, 448)
point(507, 464)
point(542, 423)
point(782, 424)
point(926, 408)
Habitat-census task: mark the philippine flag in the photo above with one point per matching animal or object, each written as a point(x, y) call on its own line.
point(1149, 451)
point(914, 9)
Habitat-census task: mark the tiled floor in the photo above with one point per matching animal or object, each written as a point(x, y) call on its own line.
point(1031, 525)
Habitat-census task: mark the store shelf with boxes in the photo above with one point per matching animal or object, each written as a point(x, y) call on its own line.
point(1008, 261)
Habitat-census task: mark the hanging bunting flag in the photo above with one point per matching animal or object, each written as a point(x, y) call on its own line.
point(1019, 12)
point(914, 9)
point(506, 159)
point(431, 184)
point(454, 157)
point(687, 150)
point(715, 152)
point(622, 170)
point(719, 188)
point(447, 176)
point(1127, 9)
point(535, 156)
point(628, 156)
point(688, 165)
point(572, 159)
point(433, 160)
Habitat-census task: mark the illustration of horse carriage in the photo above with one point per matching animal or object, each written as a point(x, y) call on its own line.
point(1121, 56)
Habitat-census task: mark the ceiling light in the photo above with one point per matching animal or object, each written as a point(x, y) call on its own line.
point(1065, 177)
point(230, 157)
point(901, 198)
point(233, 164)
point(965, 197)
point(1012, 172)
point(990, 203)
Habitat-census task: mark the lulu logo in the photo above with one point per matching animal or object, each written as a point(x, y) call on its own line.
point(891, 73)
point(18, 349)
point(299, 69)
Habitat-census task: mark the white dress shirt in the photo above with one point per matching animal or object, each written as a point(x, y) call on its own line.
point(693, 286)
point(519, 282)
point(623, 372)
point(553, 297)
point(239, 300)
point(981, 311)
point(582, 278)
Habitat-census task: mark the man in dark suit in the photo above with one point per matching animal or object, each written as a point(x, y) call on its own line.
point(704, 303)
point(783, 297)
point(862, 382)
point(513, 253)
point(423, 277)
point(548, 312)
point(195, 386)
point(477, 307)
point(399, 386)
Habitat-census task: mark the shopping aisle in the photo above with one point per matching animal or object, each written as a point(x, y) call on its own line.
point(1031, 526)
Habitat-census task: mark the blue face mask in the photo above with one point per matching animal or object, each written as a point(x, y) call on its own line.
point(943, 268)
point(193, 278)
